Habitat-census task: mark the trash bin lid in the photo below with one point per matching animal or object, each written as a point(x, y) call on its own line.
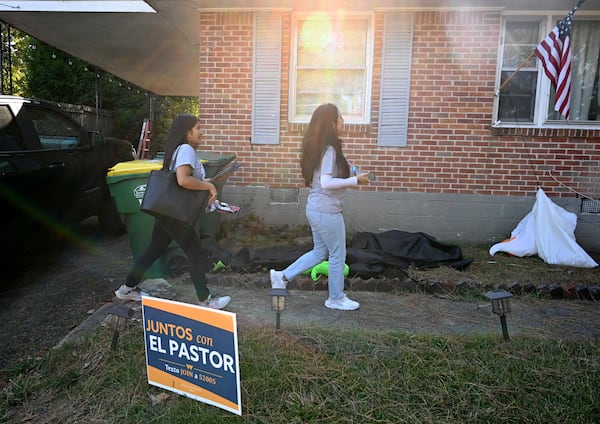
point(137, 166)
point(213, 158)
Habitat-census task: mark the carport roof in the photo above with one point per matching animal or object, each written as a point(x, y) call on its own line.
point(156, 45)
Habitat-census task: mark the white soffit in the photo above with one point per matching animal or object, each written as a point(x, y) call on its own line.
point(121, 6)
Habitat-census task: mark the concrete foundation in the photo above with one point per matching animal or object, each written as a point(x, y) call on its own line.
point(460, 219)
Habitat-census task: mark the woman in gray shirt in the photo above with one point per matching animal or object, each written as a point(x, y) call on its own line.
point(327, 172)
point(182, 141)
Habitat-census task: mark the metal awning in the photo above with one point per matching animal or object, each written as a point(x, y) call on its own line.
point(155, 44)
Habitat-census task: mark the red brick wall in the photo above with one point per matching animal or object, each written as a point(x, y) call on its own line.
point(451, 145)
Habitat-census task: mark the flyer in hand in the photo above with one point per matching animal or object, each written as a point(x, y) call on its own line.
point(226, 171)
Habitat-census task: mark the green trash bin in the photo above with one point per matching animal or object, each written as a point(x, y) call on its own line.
point(127, 183)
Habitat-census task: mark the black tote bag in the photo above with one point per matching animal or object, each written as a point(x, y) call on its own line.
point(165, 197)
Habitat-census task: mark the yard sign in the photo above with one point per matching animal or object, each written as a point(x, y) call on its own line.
point(192, 351)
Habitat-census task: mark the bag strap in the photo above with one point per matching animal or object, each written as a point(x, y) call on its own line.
point(173, 159)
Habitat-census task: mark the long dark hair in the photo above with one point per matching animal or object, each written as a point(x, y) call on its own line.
point(321, 134)
point(177, 135)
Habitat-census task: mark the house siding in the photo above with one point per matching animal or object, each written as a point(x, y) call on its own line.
point(452, 151)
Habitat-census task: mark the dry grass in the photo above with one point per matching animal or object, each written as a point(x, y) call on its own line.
point(503, 269)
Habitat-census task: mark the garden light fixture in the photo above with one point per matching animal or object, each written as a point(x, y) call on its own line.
point(500, 306)
point(118, 316)
point(278, 303)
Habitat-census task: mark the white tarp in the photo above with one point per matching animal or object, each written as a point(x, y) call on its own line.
point(549, 232)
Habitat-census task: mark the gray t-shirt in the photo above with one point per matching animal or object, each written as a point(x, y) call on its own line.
point(186, 155)
point(327, 200)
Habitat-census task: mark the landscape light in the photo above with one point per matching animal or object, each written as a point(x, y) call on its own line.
point(278, 303)
point(121, 315)
point(500, 306)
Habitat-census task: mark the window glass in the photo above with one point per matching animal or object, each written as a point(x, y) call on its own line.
point(55, 131)
point(332, 44)
point(585, 73)
point(517, 98)
point(332, 64)
point(10, 135)
point(344, 88)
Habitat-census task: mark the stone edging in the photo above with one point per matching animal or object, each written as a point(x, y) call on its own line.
point(547, 291)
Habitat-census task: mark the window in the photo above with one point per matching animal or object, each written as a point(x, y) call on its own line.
point(528, 97)
point(331, 62)
point(55, 131)
point(10, 135)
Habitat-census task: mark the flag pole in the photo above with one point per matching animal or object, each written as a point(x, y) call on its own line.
point(515, 71)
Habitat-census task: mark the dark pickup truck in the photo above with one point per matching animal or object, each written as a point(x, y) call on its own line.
point(53, 171)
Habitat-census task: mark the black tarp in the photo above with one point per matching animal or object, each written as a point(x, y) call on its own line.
point(367, 255)
point(400, 249)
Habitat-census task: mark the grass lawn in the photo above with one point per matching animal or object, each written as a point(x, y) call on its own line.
point(322, 375)
point(331, 375)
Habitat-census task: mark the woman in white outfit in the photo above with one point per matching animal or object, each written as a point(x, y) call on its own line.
point(327, 172)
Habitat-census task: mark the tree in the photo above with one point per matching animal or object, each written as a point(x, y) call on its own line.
point(44, 72)
point(14, 44)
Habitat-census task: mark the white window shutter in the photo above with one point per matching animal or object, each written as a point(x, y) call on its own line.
point(266, 79)
point(395, 79)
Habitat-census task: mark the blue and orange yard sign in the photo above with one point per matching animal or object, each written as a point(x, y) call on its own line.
point(193, 351)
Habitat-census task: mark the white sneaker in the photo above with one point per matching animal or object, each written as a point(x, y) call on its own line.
point(343, 304)
point(215, 303)
point(130, 293)
point(278, 280)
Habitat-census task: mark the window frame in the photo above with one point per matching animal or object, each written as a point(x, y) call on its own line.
point(369, 60)
point(543, 86)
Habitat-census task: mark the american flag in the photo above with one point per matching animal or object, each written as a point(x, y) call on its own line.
point(555, 54)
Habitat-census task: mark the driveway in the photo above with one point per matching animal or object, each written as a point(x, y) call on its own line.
point(53, 286)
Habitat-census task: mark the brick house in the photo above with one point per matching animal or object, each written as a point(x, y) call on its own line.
point(418, 83)
point(454, 157)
